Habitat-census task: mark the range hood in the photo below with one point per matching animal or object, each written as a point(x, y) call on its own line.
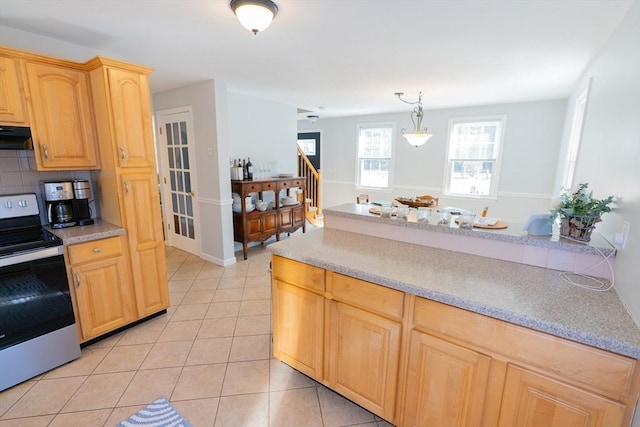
point(15, 138)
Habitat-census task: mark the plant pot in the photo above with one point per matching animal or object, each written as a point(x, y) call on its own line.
point(578, 227)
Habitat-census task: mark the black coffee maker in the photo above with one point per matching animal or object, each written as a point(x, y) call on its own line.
point(58, 196)
point(80, 204)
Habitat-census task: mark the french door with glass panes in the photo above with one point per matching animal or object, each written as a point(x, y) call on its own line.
point(175, 136)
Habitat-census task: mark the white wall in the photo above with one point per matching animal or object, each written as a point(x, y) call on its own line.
point(532, 139)
point(235, 126)
point(263, 130)
point(609, 157)
point(208, 101)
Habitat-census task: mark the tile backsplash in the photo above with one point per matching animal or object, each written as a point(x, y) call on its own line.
point(18, 174)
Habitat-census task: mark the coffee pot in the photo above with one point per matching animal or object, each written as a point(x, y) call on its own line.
point(80, 204)
point(58, 197)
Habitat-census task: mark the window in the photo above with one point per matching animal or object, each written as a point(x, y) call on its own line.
point(375, 143)
point(575, 137)
point(474, 156)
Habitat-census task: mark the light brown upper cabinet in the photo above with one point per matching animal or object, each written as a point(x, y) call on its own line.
point(12, 106)
point(62, 124)
point(122, 100)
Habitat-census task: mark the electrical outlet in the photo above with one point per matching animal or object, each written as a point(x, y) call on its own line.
point(625, 233)
point(620, 239)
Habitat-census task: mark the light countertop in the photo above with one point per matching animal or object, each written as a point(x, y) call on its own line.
point(534, 297)
point(512, 234)
point(86, 233)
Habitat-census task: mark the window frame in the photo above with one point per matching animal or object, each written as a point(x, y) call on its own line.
point(497, 159)
point(575, 136)
point(391, 159)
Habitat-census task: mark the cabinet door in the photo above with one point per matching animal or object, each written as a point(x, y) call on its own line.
point(446, 383)
point(532, 400)
point(298, 321)
point(141, 211)
point(63, 129)
point(12, 105)
point(131, 109)
point(261, 226)
point(291, 218)
point(103, 296)
point(363, 354)
point(270, 223)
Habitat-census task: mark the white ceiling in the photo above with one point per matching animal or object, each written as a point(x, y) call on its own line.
point(335, 57)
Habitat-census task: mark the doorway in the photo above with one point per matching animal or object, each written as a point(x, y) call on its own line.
point(176, 152)
point(309, 143)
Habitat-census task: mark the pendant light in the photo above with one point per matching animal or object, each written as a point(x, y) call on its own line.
point(418, 136)
point(254, 15)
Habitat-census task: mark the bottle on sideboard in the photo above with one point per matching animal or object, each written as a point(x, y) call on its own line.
point(245, 173)
point(249, 169)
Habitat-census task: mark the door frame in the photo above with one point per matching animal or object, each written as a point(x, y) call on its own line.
point(163, 116)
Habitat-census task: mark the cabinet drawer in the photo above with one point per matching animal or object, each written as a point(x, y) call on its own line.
point(269, 186)
point(253, 187)
point(297, 273)
point(591, 368)
point(372, 297)
point(95, 250)
point(291, 183)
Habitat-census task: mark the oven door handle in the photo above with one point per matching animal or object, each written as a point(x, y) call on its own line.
point(31, 256)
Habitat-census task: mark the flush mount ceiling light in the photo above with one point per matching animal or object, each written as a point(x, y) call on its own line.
point(418, 136)
point(254, 15)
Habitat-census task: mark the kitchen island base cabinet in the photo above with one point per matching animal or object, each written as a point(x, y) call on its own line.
point(362, 349)
point(532, 400)
point(298, 315)
point(446, 383)
point(421, 363)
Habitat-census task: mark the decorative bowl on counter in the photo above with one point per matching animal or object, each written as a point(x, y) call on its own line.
point(419, 201)
point(262, 206)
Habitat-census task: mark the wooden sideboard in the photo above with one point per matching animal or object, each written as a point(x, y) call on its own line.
point(257, 226)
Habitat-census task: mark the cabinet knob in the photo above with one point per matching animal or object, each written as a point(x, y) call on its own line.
point(77, 276)
point(45, 152)
point(126, 186)
point(123, 153)
point(97, 250)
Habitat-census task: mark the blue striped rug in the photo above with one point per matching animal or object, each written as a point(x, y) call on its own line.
point(159, 413)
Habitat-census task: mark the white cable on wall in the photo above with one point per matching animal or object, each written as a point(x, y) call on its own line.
point(601, 285)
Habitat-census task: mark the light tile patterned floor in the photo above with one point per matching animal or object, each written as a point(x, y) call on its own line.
point(209, 355)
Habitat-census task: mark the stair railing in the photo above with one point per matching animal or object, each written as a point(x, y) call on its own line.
point(313, 179)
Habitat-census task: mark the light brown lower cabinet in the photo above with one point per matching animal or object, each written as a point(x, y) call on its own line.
point(362, 343)
point(420, 363)
point(446, 383)
point(101, 286)
point(298, 315)
point(532, 400)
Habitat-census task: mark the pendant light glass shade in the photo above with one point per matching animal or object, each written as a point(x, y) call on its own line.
point(254, 15)
point(417, 139)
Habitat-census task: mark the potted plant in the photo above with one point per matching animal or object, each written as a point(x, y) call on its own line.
point(579, 212)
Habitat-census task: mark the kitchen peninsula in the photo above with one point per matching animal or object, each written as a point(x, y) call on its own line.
point(385, 323)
